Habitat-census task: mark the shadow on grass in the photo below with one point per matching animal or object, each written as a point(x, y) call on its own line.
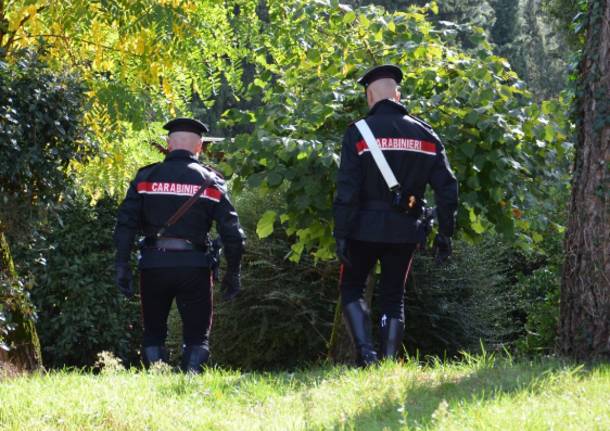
point(422, 401)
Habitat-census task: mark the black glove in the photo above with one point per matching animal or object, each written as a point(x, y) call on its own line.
point(341, 251)
point(124, 279)
point(231, 285)
point(441, 248)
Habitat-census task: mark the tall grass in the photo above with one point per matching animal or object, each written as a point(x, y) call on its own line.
point(478, 393)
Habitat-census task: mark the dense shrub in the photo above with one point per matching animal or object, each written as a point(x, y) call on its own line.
point(457, 306)
point(539, 293)
point(41, 131)
point(80, 310)
point(538, 286)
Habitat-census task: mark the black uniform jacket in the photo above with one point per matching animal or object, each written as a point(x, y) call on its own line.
point(362, 209)
point(154, 196)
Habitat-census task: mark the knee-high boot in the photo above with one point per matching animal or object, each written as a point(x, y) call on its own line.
point(392, 331)
point(194, 357)
point(152, 354)
point(358, 321)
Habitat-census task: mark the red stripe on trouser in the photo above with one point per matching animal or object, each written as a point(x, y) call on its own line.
point(404, 282)
point(341, 269)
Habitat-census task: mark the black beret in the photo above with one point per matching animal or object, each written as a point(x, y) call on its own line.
point(186, 125)
point(379, 72)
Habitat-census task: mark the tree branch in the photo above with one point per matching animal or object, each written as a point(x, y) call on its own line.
point(80, 39)
point(12, 39)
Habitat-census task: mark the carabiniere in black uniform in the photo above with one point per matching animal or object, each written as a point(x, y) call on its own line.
point(370, 226)
point(177, 264)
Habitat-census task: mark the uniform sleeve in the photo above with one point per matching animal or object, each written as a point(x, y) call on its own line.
point(445, 188)
point(349, 180)
point(230, 230)
point(128, 223)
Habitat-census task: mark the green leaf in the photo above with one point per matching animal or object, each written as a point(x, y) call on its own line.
point(264, 227)
point(349, 17)
point(468, 148)
point(549, 133)
point(260, 83)
point(275, 179)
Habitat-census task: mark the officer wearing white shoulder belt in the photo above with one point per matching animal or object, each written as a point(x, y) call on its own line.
point(387, 160)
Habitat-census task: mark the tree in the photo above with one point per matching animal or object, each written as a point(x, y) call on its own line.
point(585, 293)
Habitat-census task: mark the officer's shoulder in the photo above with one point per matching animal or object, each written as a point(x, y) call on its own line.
point(352, 128)
point(215, 178)
point(213, 171)
point(209, 172)
point(427, 127)
point(419, 121)
point(147, 168)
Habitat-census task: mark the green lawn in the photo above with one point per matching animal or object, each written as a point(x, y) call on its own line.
point(475, 394)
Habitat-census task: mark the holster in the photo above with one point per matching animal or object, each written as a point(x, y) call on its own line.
point(407, 202)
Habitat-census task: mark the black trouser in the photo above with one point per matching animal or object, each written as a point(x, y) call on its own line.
point(192, 289)
point(395, 262)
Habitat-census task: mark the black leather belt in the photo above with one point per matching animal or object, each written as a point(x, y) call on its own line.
point(387, 206)
point(172, 244)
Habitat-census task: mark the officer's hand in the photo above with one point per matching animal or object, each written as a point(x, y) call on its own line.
point(230, 286)
point(124, 279)
point(341, 251)
point(442, 248)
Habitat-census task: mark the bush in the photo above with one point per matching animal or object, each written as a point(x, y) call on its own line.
point(41, 131)
point(80, 309)
point(457, 306)
point(537, 279)
point(539, 293)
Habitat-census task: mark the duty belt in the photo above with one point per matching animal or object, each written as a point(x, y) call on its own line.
point(378, 205)
point(171, 244)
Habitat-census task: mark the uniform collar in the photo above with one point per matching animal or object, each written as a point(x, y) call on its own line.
point(387, 106)
point(180, 154)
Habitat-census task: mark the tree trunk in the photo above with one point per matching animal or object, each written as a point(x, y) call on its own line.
point(341, 348)
point(584, 331)
point(23, 340)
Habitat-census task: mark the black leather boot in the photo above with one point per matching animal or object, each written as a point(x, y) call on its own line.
point(392, 331)
point(152, 354)
point(358, 323)
point(194, 357)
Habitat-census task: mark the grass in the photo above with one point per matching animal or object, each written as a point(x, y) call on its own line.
point(478, 393)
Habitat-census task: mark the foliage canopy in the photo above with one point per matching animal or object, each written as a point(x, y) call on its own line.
point(497, 139)
point(148, 60)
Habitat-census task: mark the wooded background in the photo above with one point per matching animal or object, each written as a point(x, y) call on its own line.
point(517, 90)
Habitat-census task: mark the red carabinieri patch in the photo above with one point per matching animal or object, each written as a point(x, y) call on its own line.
point(177, 189)
point(399, 144)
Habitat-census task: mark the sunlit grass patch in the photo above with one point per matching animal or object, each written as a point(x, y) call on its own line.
point(477, 393)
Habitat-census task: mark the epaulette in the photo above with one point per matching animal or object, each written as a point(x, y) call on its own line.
point(420, 121)
point(148, 166)
point(214, 170)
